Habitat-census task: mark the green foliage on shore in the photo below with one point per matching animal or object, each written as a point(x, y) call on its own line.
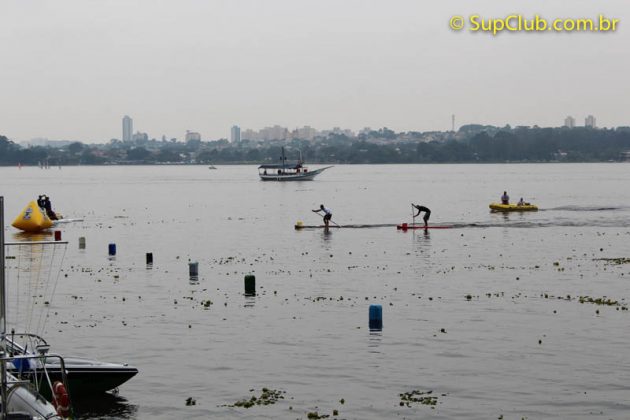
point(471, 144)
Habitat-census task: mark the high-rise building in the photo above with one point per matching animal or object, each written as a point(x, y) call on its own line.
point(140, 138)
point(306, 133)
point(192, 136)
point(127, 123)
point(569, 122)
point(590, 122)
point(249, 134)
point(235, 134)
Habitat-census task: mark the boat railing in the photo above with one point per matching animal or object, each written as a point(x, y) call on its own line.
point(34, 376)
point(38, 343)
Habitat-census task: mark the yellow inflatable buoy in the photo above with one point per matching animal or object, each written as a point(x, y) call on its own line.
point(32, 219)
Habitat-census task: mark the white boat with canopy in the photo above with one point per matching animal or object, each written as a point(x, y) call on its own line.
point(287, 171)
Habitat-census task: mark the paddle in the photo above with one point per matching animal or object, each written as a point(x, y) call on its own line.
point(413, 216)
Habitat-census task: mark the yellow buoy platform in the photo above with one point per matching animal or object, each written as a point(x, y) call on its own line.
point(32, 219)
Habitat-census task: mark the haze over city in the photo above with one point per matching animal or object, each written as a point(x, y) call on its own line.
point(72, 69)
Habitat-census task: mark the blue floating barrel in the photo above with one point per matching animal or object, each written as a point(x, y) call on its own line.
point(376, 317)
point(250, 285)
point(112, 249)
point(193, 269)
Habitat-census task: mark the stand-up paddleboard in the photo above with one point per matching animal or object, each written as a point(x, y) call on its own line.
point(406, 226)
point(300, 226)
point(62, 221)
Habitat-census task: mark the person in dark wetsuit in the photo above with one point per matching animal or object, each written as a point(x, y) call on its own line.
point(427, 213)
point(327, 214)
point(49, 211)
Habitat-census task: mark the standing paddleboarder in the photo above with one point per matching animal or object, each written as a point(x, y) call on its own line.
point(427, 213)
point(327, 214)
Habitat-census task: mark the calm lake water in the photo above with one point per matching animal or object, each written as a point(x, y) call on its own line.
point(485, 315)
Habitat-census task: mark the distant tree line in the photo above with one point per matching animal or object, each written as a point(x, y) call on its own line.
point(471, 144)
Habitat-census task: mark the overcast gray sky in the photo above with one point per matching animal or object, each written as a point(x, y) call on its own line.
point(71, 69)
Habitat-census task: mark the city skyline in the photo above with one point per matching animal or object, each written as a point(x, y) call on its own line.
point(295, 64)
point(277, 132)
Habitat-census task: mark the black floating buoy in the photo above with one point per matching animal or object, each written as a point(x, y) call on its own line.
point(376, 317)
point(250, 285)
point(112, 249)
point(82, 242)
point(149, 258)
point(57, 235)
point(193, 269)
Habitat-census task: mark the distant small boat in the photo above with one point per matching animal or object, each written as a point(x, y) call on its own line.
point(212, 167)
point(288, 171)
point(513, 207)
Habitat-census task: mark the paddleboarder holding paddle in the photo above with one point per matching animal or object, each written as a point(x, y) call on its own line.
point(327, 214)
point(427, 213)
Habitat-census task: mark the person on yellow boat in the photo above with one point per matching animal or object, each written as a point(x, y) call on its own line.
point(520, 202)
point(505, 198)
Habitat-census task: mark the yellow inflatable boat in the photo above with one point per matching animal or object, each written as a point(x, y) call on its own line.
point(32, 219)
point(513, 207)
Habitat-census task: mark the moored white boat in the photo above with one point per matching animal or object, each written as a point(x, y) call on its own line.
point(288, 171)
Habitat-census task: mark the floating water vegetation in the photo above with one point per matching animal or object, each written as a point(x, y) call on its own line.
point(614, 261)
point(601, 301)
point(419, 397)
point(267, 397)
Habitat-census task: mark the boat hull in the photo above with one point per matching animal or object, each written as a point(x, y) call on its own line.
point(302, 176)
point(512, 207)
point(87, 377)
point(21, 400)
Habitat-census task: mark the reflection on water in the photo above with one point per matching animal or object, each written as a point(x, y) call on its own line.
point(250, 301)
point(104, 406)
point(422, 241)
point(26, 236)
point(375, 340)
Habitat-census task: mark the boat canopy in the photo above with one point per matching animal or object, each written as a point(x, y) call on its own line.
point(296, 165)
